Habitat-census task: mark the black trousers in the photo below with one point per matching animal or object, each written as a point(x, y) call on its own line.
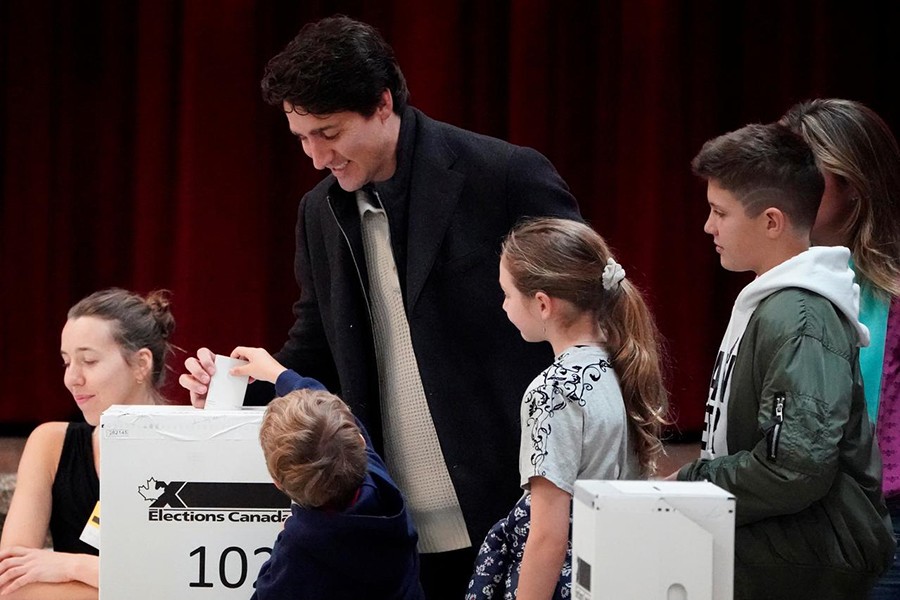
point(445, 575)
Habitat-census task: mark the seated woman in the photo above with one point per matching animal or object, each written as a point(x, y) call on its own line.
point(114, 347)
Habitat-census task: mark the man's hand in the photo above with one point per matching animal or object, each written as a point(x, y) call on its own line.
point(200, 371)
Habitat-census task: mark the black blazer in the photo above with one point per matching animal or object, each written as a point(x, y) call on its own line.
point(465, 192)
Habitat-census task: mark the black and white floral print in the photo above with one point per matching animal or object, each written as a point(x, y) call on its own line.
point(496, 575)
point(563, 384)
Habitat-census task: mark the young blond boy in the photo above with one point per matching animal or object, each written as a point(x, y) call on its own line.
point(786, 426)
point(349, 535)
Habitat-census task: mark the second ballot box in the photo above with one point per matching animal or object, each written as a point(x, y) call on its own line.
point(654, 540)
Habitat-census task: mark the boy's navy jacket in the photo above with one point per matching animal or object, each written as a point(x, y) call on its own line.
point(365, 551)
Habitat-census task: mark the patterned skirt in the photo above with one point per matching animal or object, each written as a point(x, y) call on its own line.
point(496, 575)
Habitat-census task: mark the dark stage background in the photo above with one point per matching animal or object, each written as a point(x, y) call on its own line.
point(136, 150)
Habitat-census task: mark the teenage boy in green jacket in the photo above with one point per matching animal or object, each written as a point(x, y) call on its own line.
point(786, 427)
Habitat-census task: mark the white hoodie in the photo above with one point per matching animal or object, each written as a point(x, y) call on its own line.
point(824, 270)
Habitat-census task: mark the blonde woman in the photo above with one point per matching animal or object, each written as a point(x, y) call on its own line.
point(860, 160)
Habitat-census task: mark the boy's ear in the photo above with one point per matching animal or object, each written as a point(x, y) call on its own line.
point(775, 222)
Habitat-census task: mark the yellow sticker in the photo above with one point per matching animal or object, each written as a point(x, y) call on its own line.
point(91, 533)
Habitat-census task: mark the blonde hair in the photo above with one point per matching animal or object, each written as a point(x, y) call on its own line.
point(313, 448)
point(853, 143)
point(565, 259)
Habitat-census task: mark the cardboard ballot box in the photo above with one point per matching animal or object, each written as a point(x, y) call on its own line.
point(188, 509)
point(666, 540)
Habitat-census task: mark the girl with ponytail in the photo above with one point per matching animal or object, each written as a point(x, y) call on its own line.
point(595, 413)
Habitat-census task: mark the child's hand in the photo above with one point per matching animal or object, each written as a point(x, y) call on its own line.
point(260, 364)
point(673, 476)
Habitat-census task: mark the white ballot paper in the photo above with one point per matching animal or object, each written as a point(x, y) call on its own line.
point(226, 392)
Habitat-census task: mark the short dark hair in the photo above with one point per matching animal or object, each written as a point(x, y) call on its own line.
point(334, 65)
point(765, 166)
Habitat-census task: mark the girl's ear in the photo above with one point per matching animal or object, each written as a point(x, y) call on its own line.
point(143, 365)
point(544, 304)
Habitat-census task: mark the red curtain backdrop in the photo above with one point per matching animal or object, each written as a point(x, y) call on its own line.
point(136, 151)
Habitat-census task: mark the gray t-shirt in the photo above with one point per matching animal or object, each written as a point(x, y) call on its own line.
point(574, 424)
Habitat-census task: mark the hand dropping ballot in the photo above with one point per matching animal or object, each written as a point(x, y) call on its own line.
point(226, 391)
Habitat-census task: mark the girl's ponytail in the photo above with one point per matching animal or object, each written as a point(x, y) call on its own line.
point(635, 345)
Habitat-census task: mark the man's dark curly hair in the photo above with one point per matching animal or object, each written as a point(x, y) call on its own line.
point(334, 65)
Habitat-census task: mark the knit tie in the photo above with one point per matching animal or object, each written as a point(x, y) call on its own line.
point(411, 447)
point(888, 426)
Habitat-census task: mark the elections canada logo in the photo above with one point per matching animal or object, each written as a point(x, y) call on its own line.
point(214, 502)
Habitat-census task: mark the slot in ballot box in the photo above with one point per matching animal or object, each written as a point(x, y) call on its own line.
point(187, 507)
point(654, 540)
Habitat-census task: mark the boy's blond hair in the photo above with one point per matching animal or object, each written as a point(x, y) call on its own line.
point(313, 448)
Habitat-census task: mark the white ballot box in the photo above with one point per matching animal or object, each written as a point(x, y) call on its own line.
point(187, 507)
point(653, 540)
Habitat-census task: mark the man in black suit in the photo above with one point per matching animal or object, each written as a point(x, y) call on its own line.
point(397, 261)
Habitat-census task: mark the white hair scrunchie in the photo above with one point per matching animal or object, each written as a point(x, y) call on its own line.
point(613, 274)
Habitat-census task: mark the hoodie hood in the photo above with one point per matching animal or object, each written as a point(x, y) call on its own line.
point(824, 270)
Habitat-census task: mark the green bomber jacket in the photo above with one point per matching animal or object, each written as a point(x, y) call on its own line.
point(802, 460)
